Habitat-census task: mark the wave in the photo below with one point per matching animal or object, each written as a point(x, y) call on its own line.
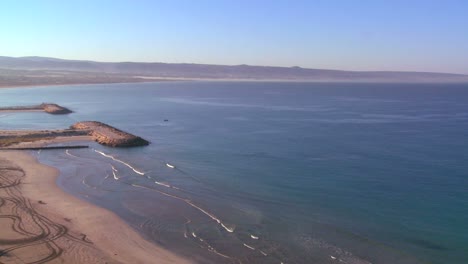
point(114, 170)
point(230, 230)
point(88, 185)
point(210, 248)
point(162, 184)
point(247, 246)
point(69, 154)
point(253, 237)
point(187, 201)
point(120, 161)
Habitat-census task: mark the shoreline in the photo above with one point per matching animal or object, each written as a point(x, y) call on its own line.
point(102, 235)
point(162, 80)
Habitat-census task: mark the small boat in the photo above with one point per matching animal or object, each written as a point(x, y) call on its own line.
point(170, 166)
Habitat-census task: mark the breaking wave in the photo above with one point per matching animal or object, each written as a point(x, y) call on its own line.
point(120, 161)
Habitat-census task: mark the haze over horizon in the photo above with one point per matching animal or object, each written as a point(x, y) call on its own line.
point(422, 36)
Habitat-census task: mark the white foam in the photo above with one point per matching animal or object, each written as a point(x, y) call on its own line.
point(254, 237)
point(230, 230)
point(211, 249)
point(120, 161)
point(263, 253)
point(114, 173)
point(332, 257)
point(163, 184)
point(250, 247)
point(170, 166)
point(115, 176)
point(193, 234)
point(88, 185)
point(69, 154)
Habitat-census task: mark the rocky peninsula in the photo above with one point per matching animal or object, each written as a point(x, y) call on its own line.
point(49, 108)
point(82, 131)
point(109, 136)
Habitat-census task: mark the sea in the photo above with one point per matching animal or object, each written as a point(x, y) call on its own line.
point(272, 172)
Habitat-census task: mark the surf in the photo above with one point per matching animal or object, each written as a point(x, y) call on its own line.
point(120, 161)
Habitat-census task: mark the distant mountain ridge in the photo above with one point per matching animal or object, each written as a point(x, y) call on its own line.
point(209, 71)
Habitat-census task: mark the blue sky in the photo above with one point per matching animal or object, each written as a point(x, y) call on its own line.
point(347, 34)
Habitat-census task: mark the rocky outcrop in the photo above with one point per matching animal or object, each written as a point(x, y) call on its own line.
point(55, 109)
point(109, 136)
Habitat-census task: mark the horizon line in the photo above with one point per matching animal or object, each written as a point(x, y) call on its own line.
point(234, 65)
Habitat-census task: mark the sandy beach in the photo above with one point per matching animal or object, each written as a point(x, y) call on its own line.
point(41, 223)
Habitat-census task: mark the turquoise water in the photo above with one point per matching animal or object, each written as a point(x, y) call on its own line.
point(362, 173)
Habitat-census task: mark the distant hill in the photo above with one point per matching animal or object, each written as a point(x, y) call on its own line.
point(205, 71)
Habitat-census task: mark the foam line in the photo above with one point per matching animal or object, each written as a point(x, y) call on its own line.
point(115, 176)
point(120, 161)
point(163, 184)
point(230, 230)
point(250, 247)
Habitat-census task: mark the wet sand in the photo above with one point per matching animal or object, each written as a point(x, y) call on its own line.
point(41, 223)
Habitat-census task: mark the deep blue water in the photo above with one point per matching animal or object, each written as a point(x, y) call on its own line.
point(363, 173)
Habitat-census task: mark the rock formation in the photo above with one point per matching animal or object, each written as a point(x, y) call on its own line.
point(55, 109)
point(109, 136)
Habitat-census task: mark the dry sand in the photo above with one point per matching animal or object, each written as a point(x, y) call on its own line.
point(41, 223)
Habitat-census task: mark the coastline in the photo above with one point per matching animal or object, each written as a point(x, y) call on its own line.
point(181, 79)
point(79, 231)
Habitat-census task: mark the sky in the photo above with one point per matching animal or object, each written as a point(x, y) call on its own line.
point(409, 35)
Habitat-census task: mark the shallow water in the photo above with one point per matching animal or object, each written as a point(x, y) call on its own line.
point(363, 173)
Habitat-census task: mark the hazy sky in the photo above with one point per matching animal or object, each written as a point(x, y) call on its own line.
point(348, 34)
